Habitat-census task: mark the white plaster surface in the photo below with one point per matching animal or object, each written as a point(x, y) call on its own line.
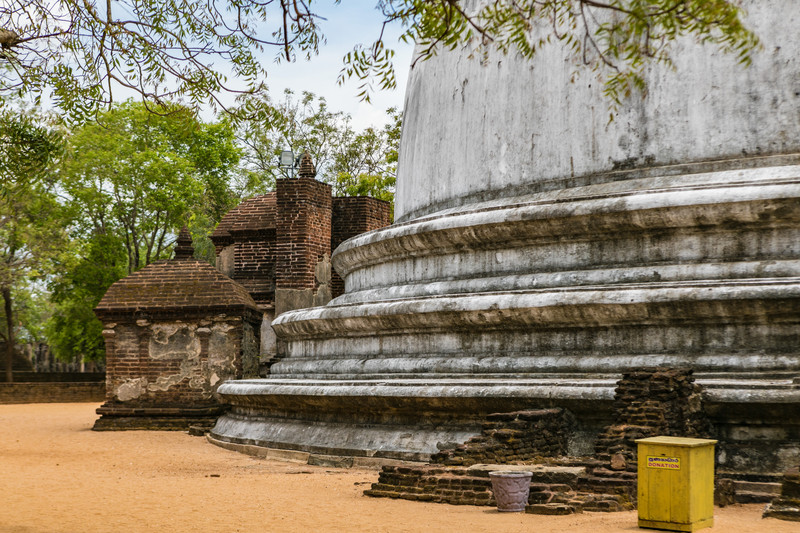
point(131, 389)
point(528, 123)
point(173, 340)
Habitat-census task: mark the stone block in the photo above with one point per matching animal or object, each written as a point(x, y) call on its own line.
point(550, 509)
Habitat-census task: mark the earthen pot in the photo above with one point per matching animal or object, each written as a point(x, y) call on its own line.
point(511, 490)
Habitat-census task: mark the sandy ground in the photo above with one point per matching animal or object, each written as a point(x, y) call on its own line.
point(58, 476)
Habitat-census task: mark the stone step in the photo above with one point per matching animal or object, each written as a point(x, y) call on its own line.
point(746, 496)
point(617, 474)
point(377, 493)
point(606, 506)
point(609, 482)
point(550, 487)
point(200, 430)
point(772, 488)
point(544, 474)
point(551, 509)
point(774, 477)
point(604, 503)
point(783, 510)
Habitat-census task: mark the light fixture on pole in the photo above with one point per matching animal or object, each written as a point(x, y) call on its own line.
point(287, 161)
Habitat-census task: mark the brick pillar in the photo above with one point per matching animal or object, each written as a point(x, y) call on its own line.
point(354, 215)
point(303, 235)
point(110, 337)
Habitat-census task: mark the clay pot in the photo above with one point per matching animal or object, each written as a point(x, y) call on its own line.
point(511, 490)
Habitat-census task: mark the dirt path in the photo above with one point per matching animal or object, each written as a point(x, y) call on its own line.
point(58, 476)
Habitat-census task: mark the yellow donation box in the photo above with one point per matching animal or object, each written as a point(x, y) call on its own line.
point(676, 483)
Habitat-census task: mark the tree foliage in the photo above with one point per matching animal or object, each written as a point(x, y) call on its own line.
point(85, 50)
point(85, 275)
point(367, 165)
point(139, 176)
point(615, 38)
point(303, 123)
point(132, 181)
point(178, 50)
point(31, 232)
point(355, 163)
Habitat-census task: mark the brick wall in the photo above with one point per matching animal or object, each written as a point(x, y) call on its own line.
point(303, 227)
point(553, 489)
point(254, 266)
point(60, 377)
point(51, 392)
point(172, 362)
point(354, 215)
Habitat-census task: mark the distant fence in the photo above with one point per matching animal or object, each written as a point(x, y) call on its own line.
point(54, 387)
point(50, 377)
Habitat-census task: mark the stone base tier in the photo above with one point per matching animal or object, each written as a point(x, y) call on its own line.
point(114, 417)
point(400, 419)
point(543, 300)
point(413, 419)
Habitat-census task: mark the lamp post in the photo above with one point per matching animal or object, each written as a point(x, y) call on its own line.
point(288, 161)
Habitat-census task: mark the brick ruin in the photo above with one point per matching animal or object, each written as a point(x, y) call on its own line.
point(278, 245)
point(648, 402)
point(175, 330)
point(508, 438)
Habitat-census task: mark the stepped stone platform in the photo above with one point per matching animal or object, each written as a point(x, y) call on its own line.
point(787, 505)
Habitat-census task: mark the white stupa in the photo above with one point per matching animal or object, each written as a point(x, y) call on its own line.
point(540, 250)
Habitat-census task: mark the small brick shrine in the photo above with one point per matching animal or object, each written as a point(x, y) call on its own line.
point(278, 245)
point(174, 331)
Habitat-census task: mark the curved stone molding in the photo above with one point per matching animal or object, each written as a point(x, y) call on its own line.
point(709, 202)
point(401, 419)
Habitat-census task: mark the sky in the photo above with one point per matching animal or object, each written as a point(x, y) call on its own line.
point(348, 24)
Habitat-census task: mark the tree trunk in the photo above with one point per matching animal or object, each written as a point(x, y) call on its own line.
point(10, 337)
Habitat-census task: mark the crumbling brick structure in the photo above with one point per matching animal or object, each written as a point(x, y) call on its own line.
point(647, 403)
point(278, 245)
point(174, 331)
point(508, 438)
